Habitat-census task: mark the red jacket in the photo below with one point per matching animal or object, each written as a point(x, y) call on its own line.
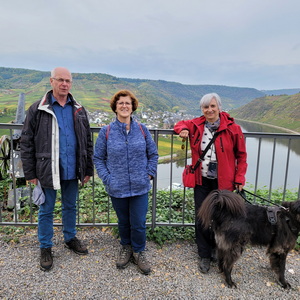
point(230, 149)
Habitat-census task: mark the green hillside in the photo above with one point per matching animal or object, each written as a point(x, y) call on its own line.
point(184, 96)
point(94, 90)
point(283, 111)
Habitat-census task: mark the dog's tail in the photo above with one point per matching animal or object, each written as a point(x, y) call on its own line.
point(220, 204)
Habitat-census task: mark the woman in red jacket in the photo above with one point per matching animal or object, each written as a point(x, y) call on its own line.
point(224, 165)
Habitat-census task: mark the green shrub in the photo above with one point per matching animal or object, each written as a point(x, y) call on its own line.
point(172, 210)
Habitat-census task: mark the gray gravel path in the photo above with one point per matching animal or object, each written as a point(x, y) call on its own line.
point(175, 273)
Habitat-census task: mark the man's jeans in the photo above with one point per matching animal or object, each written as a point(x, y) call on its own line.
point(131, 214)
point(69, 193)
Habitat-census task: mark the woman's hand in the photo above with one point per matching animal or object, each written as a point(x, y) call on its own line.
point(239, 187)
point(184, 133)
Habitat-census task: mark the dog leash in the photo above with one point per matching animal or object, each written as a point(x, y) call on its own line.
point(242, 194)
point(272, 211)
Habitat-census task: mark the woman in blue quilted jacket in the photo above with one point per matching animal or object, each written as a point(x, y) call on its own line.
point(126, 160)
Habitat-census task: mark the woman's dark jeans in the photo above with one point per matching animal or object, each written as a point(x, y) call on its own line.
point(131, 214)
point(204, 237)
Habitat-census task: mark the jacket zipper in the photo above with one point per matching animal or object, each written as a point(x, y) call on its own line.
point(197, 139)
point(221, 142)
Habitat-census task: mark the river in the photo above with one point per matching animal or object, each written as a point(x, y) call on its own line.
point(281, 150)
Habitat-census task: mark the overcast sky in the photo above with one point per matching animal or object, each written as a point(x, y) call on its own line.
point(244, 43)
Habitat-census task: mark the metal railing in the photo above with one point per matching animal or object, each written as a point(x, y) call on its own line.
point(95, 209)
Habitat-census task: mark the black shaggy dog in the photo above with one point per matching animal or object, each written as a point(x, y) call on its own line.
point(236, 223)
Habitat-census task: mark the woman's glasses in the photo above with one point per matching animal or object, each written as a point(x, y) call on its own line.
point(124, 103)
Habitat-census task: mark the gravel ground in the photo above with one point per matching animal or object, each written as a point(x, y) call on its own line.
point(175, 273)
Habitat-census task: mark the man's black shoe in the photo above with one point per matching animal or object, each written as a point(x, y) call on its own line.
point(75, 245)
point(46, 261)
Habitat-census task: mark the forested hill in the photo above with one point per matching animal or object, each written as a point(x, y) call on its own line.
point(283, 111)
point(94, 90)
point(188, 96)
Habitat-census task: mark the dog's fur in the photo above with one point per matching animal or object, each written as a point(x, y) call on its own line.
point(236, 223)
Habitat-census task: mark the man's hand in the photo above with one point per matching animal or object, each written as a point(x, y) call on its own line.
point(85, 180)
point(34, 181)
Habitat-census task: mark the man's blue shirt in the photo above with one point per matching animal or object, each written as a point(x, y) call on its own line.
point(67, 139)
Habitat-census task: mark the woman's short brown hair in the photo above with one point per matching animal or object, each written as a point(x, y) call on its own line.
point(124, 93)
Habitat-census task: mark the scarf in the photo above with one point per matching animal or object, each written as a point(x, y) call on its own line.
point(212, 126)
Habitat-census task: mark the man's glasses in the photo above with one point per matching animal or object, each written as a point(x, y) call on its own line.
point(61, 80)
point(124, 103)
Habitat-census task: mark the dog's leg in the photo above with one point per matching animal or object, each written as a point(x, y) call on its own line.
point(278, 261)
point(228, 279)
point(229, 259)
point(227, 266)
point(220, 260)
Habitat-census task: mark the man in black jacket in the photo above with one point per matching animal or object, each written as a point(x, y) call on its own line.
point(57, 150)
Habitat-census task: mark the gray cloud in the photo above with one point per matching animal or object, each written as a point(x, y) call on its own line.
point(249, 43)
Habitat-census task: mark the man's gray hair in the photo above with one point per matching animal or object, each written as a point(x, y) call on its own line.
point(53, 72)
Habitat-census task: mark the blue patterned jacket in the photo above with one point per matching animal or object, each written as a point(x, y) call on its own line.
point(125, 161)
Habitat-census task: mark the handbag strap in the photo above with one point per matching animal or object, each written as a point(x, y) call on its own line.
point(205, 150)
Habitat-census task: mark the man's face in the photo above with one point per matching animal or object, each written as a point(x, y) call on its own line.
point(61, 82)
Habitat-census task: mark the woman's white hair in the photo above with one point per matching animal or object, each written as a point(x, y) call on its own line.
point(205, 100)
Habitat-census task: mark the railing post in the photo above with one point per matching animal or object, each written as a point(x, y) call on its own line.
point(154, 190)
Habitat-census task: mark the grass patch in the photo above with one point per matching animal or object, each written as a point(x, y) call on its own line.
point(164, 145)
